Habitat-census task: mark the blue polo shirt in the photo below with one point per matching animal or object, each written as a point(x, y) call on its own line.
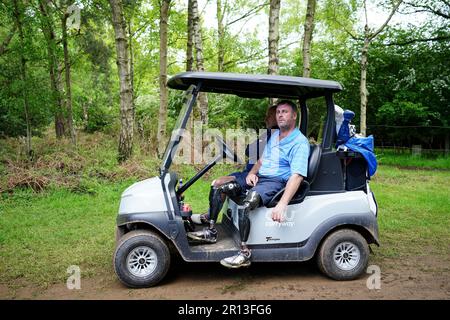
point(283, 158)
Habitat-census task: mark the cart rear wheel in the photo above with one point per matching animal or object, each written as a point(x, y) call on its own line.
point(344, 255)
point(141, 259)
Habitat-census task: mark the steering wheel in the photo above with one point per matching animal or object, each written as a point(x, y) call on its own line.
point(227, 151)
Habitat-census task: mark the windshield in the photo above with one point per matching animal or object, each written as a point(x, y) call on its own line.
point(175, 138)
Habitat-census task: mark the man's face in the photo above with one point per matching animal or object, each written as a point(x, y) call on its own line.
point(285, 117)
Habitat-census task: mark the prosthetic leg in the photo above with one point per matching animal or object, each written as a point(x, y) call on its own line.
point(242, 259)
point(216, 200)
point(251, 202)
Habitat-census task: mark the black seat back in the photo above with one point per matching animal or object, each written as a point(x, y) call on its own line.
point(315, 152)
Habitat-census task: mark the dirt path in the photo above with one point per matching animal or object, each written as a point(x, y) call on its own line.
point(426, 277)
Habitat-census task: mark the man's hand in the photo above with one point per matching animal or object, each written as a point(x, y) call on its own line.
point(251, 179)
point(279, 212)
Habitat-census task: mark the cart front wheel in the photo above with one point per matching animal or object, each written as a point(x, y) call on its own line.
point(141, 259)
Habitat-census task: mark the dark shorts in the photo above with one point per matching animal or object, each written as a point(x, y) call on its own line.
point(240, 178)
point(266, 187)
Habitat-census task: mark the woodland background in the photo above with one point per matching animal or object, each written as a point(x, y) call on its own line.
point(73, 67)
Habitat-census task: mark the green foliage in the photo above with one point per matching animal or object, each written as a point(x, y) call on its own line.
point(12, 87)
point(236, 113)
point(408, 82)
point(94, 100)
point(404, 113)
point(409, 86)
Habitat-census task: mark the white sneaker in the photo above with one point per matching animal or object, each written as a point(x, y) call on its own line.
point(242, 259)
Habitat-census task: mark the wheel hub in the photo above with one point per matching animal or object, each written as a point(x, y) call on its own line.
point(346, 256)
point(141, 261)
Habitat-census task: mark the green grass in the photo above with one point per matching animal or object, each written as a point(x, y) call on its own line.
point(41, 235)
point(414, 211)
point(407, 160)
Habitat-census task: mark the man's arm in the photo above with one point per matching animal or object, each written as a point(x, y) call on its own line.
point(252, 178)
point(291, 188)
point(256, 167)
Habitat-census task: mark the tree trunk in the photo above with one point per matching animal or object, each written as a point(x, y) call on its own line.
point(202, 98)
point(190, 39)
point(163, 94)
point(69, 114)
point(60, 118)
point(274, 18)
point(363, 85)
point(55, 79)
point(85, 107)
point(130, 45)
point(368, 37)
point(23, 78)
point(123, 66)
point(220, 36)
point(189, 54)
point(307, 37)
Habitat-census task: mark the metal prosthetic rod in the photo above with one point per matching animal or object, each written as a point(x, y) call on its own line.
point(216, 200)
point(251, 202)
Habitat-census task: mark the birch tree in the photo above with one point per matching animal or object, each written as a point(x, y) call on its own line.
point(220, 34)
point(274, 37)
point(68, 93)
point(53, 67)
point(18, 14)
point(129, 9)
point(307, 37)
point(366, 38)
point(198, 44)
point(190, 38)
point(163, 94)
point(369, 36)
point(126, 96)
point(189, 51)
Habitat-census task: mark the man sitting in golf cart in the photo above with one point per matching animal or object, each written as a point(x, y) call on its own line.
point(284, 164)
point(253, 152)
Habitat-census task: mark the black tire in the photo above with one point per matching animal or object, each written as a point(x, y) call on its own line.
point(151, 243)
point(339, 269)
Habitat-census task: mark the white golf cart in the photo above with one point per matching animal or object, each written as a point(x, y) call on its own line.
point(332, 217)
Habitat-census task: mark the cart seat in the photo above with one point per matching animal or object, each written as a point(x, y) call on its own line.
point(315, 153)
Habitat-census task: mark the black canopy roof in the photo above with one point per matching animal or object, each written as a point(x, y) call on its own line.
point(255, 86)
